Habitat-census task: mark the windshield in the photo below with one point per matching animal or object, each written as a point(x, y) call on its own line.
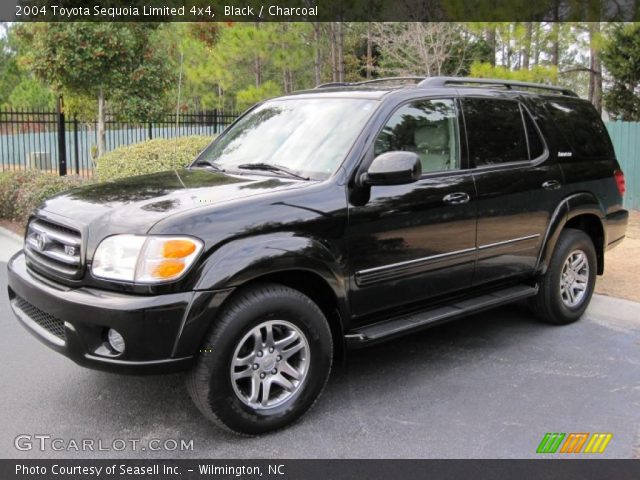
point(309, 136)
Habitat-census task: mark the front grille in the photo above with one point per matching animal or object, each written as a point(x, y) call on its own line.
point(54, 247)
point(45, 320)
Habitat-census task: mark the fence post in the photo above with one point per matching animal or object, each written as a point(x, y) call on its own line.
point(75, 143)
point(150, 131)
point(62, 143)
point(215, 120)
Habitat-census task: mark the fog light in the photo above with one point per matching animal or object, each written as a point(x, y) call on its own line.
point(115, 340)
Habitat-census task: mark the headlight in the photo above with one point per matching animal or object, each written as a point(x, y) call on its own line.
point(144, 259)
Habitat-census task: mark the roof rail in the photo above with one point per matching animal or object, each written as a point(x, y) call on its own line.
point(508, 84)
point(400, 80)
point(333, 84)
point(390, 80)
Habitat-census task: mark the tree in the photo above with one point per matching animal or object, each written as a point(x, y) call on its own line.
point(317, 46)
point(595, 67)
point(537, 73)
point(249, 62)
point(621, 59)
point(337, 51)
point(420, 48)
point(108, 61)
point(9, 72)
point(240, 60)
point(490, 38)
point(31, 94)
point(564, 53)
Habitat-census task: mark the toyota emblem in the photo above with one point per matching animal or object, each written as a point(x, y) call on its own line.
point(41, 241)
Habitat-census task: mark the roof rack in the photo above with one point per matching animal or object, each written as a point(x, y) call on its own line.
point(333, 84)
point(389, 80)
point(432, 82)
point(508, 84)
point(400, 80)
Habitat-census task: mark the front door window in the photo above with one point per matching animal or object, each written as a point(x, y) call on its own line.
point(427, 127)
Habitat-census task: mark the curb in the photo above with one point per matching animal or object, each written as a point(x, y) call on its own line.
point(4, 232)
point(10, 243)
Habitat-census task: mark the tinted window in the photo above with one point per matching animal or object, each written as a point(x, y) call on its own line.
point(429, 128)
point(582, 128)
point(536, 146)
point(495, 132)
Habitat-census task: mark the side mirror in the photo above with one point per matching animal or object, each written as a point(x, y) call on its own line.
point(393, 168)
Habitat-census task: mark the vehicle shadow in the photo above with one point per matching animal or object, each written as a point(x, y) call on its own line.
point(159, 406)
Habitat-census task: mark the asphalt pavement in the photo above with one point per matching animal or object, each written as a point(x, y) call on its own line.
point(487, 386)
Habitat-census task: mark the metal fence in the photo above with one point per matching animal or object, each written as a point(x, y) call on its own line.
point(626, 141)
point(48, 141)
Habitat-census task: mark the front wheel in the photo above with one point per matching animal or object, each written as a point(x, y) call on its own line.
point(264, 362)
point(567, 286)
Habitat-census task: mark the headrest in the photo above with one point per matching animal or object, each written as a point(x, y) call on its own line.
point(433, 136)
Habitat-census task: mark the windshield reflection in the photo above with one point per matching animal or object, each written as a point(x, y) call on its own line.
point(309, 136)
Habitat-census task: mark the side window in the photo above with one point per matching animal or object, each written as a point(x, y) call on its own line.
point(536, 146)
point(495, 132)
point(582, 128)
point(429, 128)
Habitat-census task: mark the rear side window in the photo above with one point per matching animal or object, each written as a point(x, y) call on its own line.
point(582, 128)
point(495, 131)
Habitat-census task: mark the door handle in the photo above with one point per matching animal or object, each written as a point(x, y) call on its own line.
point(456, 198)
point(551, 185)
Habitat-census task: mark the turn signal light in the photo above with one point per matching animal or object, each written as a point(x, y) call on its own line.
point(168, 269)
point(178, 248)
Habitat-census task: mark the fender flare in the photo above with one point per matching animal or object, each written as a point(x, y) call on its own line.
point(245, 259)
point(582, 203)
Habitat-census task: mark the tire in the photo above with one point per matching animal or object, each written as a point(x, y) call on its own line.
point(554, 303)
point(232, 345)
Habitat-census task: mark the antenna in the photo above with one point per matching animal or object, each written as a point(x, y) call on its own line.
point(175, 143)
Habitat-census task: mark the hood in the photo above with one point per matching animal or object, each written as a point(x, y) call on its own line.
point(135, 204)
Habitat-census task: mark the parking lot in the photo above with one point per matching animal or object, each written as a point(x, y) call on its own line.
point(486, 386)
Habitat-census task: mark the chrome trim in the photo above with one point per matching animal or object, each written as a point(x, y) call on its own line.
point(61, 257)
point(391, 266)
point(505, 242)
point(42, 260)
point(368, 276)
point(46, 244)
point(60, 237)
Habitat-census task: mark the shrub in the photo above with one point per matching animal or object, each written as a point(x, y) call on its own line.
point(149, 157)
point(23, 191)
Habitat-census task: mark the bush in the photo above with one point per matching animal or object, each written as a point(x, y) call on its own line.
point(149, 157)
point(22, 191)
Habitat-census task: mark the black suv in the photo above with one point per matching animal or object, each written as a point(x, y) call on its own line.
point(326, 219)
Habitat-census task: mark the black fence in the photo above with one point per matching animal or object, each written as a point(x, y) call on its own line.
point(48, 141)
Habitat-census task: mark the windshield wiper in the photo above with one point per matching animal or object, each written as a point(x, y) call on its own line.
point(208, 163)
point(268, 167)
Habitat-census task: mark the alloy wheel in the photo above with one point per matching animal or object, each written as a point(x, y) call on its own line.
point(270, 364)
point(574, 279)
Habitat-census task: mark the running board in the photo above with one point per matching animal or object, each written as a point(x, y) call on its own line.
point(401, 325)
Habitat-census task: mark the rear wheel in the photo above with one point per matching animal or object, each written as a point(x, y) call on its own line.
point(567, 287)
point(264, 362)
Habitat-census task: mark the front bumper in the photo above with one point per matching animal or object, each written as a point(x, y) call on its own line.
point(74, 322)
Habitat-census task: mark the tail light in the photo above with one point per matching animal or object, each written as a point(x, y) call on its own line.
point(620, 181)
